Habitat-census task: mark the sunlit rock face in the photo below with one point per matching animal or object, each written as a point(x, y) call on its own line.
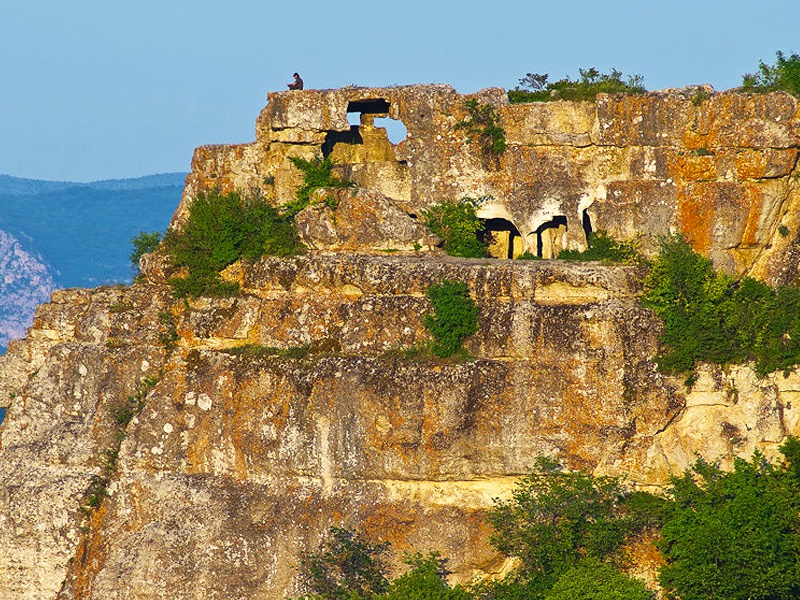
point(299, 404)
point(719, 167)
point(25, 282)
point(245, 452)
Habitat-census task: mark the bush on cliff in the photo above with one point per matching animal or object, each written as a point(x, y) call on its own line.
point(594, 580)
point(218, 231)
point(734, 535)
point(317, 173)
point(455, 317)
point(482, 125)
point(143, 243)
point(535, 87)
point(784, 75)
point(348, 567)
point(557, 520)
point(602, 247)
point(709, 317)
point(457, 224)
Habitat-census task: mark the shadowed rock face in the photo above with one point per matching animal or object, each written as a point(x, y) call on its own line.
point(273, 415)
point(721, 170)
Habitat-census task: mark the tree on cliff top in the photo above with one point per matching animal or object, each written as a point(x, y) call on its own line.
point(535, 87)
point(784, 75)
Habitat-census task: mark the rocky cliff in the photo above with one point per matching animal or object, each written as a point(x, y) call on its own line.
point(720, 167)
point(257, 422)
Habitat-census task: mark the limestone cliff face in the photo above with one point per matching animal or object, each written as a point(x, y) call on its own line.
point(262, 420)
point(241, 458)
point(721, 168)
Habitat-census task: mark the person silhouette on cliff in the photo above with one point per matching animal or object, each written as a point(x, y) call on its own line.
point(297, 84)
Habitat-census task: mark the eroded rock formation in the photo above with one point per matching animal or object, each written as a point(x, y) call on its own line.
point(268, 417)
point(721, 168)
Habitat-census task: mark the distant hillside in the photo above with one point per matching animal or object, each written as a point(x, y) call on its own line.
point(66, 234)
point(15, 186)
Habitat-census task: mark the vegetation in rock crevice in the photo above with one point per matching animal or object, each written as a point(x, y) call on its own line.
point(710, 317)
point(535, 87)
point(602, 247)
point(121, 414)
point(218, 231)
point(317, 174)
point(454, 318)
point(482, 126)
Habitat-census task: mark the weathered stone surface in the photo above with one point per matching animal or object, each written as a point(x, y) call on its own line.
point(295, 406)
point(85, 353)
point(363, 221)
point(242, 457)
point(638, 165)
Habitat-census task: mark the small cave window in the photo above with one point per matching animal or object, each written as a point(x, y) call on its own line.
point(395, 129)
point(2, 415)
point(502, 238)
point(361, 116)
point(548, 242)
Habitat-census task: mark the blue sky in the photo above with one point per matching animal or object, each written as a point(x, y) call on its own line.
point(104, 89)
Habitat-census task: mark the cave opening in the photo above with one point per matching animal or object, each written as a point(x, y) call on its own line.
point(370, 124)
point(502, 238)
point(548, 237)
point(586, 223)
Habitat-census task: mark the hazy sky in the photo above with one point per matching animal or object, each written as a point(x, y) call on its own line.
point(104, 89)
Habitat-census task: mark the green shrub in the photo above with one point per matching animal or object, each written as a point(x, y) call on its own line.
point(527, 255)
point(604, 248)
point(425, 581)
point(346, 568)
point(783, 75)
point(700, 95)
point(734, 535)
point(555, 519)
point(593, 580)
point(456, 223)
point(712, 318)
point(536, 88)
point(455, 317)
point(317, 173)
point(482, 125)
point(143, 244)
point(219, 230)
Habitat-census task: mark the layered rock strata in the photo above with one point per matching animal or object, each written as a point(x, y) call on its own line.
point(719, 167)
point(198, 448)
point(295, 407)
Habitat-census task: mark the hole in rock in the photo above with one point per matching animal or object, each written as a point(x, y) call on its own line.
point(502, 238)
point(395, 130)
point(586, 222)
point(548, 237)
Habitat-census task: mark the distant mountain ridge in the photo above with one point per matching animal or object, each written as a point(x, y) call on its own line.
point(57, 234)
point(19, 186)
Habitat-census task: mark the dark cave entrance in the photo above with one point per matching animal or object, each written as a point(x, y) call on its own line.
point(548, 237)
point(586, 223)
point(502, 238)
